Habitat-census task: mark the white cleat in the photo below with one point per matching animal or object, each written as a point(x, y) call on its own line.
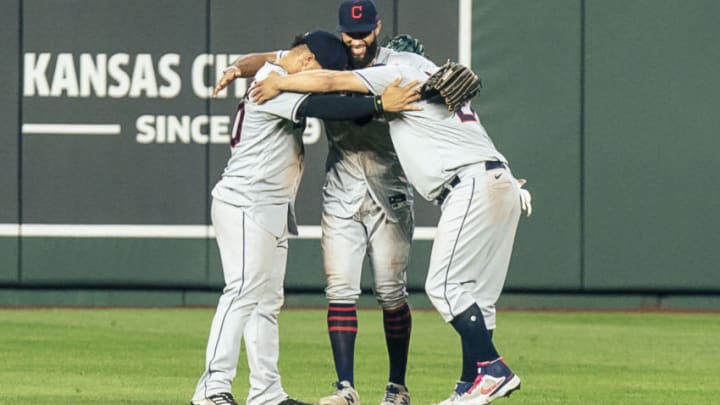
point(224, 398)
point(396, 394)
point(345, 395)
point(460, 388)
point(495, 380)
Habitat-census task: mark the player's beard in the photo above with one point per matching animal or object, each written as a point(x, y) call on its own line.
point(370, 52)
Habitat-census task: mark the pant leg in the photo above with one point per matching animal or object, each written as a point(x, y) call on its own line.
point(504, 214)
point(473, 243)
point(243, 248)
point(262, 334)
point(389, 253)
point(344, 242)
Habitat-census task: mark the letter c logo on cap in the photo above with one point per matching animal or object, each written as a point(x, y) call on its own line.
point(356, 12)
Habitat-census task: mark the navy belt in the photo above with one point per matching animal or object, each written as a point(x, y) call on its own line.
point(495, 164)
point(447, 188)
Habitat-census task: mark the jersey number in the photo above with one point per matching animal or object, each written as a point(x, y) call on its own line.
point(466, 114)
point(237, 127)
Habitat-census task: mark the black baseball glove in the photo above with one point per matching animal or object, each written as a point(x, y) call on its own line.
point(453, 84)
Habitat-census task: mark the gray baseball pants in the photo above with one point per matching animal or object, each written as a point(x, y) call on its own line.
point(473, 244)
point(254, 263)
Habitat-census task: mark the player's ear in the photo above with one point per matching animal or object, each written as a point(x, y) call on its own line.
point(308, 59)
point(378, 28)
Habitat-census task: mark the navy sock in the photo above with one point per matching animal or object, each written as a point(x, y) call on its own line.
point(342, 328)
point(477, 345)
point(398, 324)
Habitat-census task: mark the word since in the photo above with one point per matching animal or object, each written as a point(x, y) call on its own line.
point(200, 129)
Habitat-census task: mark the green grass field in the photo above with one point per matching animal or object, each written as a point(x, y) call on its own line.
point(154, 356)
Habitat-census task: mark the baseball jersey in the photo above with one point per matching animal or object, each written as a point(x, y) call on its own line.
point(433, 143)
point(362, 158)
point(266, 163)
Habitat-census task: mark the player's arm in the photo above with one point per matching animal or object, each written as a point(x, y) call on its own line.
point(335, 107)
point(312, 81)
point(244, 66)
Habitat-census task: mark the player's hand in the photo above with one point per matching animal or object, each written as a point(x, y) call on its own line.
point(525, 197)
point(230, 73)
point(263, 90)
point(397, 98)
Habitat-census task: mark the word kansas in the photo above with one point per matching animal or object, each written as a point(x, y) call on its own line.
point(120, 75)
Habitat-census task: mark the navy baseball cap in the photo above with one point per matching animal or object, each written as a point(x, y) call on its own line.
point(328, 49)
point(357, 16)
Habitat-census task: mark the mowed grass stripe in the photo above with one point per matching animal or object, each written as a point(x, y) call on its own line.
point(154, 356)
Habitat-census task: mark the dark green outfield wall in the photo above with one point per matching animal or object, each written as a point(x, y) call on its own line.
point(9, 138)
point(528, 54)
point(168, 263)
point(652, 182)
point(609, 108)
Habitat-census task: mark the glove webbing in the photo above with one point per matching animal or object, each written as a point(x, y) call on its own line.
point(459, 85)
point(465, 88)
point(455, 83)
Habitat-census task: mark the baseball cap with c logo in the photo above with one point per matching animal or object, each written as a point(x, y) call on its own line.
point(357, 16)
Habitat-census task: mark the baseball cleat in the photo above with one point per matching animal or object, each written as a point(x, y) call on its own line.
point(223, 398)
point(461, 387)
point(495, 380)
point(396, 394)
point(292, 401)
point(345, 395)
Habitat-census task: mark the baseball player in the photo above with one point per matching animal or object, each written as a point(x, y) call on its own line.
point(252, 212)
point(367, 211)
point(449, 159)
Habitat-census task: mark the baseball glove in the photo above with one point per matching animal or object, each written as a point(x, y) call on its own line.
point(406, 43)
point(453, 84)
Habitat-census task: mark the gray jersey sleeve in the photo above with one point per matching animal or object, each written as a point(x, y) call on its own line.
point(286, 104)
point(411, 59)
point(378, 78)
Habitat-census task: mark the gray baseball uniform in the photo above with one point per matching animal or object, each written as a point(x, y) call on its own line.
point(252, 215)
point(367, 205)
point(449, 156)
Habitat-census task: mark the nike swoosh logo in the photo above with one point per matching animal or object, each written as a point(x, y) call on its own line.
point(497, 176)
point(490, 389)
